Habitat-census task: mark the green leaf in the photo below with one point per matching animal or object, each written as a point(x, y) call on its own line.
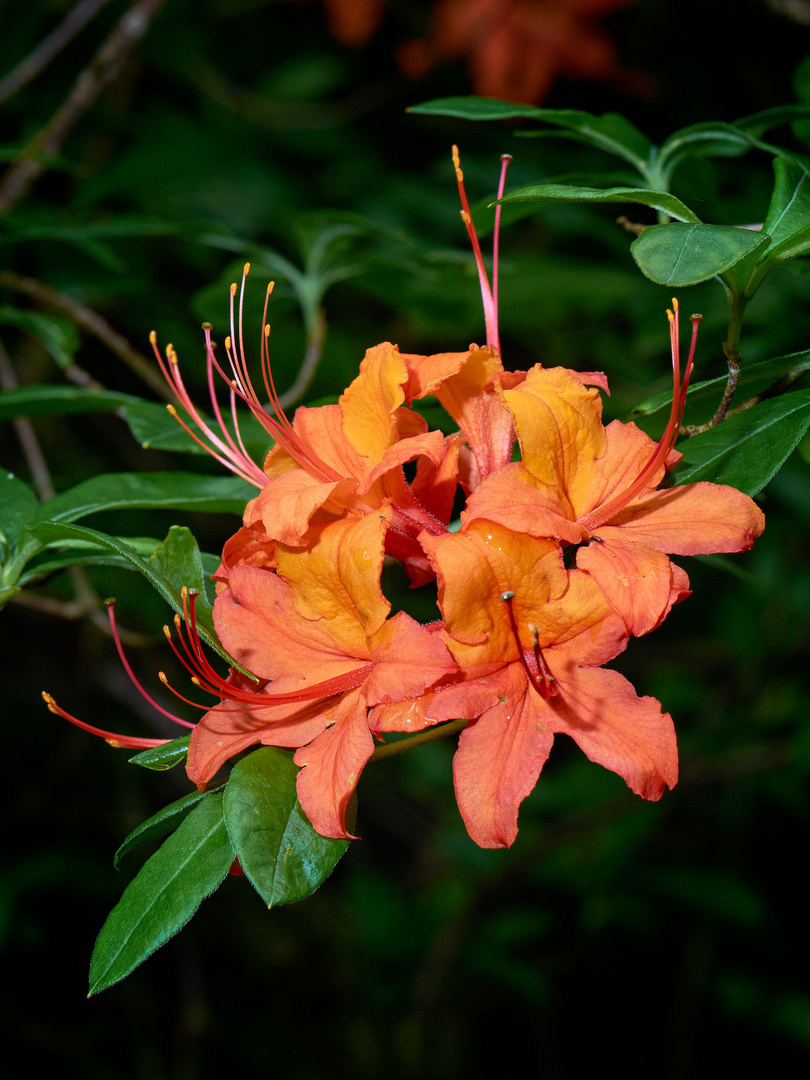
point(280, 852)
point(555, 193)
point(748, 448)
point(169, 888)
point(47, 399)
point(704, 397)
point(161, 758)
point(610, 132)
point(788, 218)
point(759, 122)
point(18, 504)
point(47, 532)
point(709, 139)
point(680, 254)
point(58, 334)
point(156, 429)
point(164, 821)
point(179, 563)
point(172, 491)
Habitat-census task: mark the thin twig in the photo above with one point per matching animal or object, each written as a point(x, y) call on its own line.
point(441, 731)
point(26, 435)
point(102, 70)
point(37, 61)
point(94, 324)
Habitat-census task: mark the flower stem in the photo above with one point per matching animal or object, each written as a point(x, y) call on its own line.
point(441, 731)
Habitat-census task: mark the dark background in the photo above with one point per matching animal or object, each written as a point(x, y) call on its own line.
point(665, 937)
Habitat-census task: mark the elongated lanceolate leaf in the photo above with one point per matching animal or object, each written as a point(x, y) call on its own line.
point(610, 131)
point(555, 193)
point(747, 449)
point(705, 396)
point(165, 894)
point(179, 563)
point(680, 254)
point(170, 491)
point(53, 531)
point(280, 852)
point(164, 821)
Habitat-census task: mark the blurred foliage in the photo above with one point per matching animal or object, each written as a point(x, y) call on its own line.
point(241, 131)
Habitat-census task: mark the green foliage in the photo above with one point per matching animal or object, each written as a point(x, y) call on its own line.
point(167, 891)
point(280, 852)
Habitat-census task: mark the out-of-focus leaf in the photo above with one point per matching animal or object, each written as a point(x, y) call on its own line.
point(280, 852)
point(610, 131)
point(45, 399)
point(681, 254)
point(18, 504)
point(747, 449)
point(555, 193)
point(164, 895)
point(161, 758)
point(57, 334)
point(164, 821)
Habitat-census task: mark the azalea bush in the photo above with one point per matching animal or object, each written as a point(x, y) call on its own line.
point(397, 566)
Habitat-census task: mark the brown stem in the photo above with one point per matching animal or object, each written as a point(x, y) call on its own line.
point(102, 70)
point(36, 61)
point(631, 226)
point(94, 324)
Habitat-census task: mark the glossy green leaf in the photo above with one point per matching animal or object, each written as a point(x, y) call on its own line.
point(759, 122)
point(47, 532)
point(18, 504)
point(556, 193)
point(164, 895)
point(171, 491)
point(681, 254)
point(161, 758)
point(709, 139)
point(156, 429)
point(788, 218)
point(704, 397)
point(45, 399)
point(280, 852)
point(748, 448)
point(164, 821)
point(179, 563)
point(610, 131)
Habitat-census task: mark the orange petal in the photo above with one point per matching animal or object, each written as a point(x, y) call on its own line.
point(332, 764)
point(692, 519)
point(635, 580)
point(369, 405)
point(616, 728)
point(499, 758)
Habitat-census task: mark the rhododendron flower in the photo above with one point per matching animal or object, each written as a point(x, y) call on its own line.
point(317, 633)
point(598, 487)
point(530, 639)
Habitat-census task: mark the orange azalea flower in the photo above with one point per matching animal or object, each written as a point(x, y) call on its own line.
point(530, 639)
point(317, 635)
point(598, 488)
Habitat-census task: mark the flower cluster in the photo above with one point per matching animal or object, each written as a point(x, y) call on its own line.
point(558, 559)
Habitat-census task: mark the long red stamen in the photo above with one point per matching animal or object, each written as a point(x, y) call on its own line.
point(602, 514)
point(489, 295)
point(542, 680)
point(122, 656)
point(108, 736)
